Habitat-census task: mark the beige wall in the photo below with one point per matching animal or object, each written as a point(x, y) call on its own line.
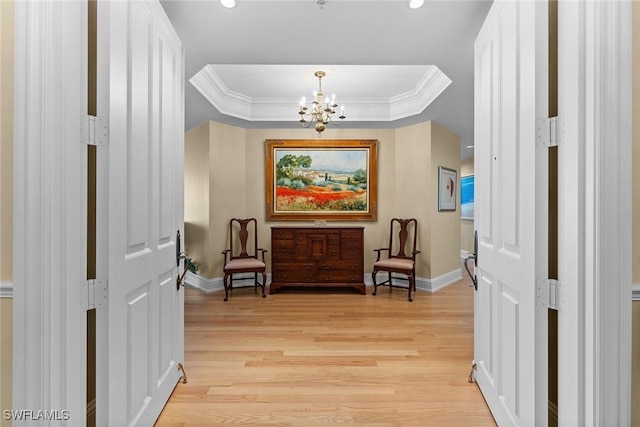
point(413, 193)
point(374, 231)
point(445, 226)
point(635, 395)
point(405, 182)
point(466, 225)
point(228, 183)
point(6, 198)
point(196, 196)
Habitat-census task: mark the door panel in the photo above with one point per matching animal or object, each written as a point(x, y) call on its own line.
point(143, 190)
point(506, 320)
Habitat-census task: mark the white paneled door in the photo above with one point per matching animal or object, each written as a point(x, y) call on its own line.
point(140, 211)
point(510, 93)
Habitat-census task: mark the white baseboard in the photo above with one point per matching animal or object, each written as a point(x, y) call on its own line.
point(426, 284)
point(209, 285)
point(367, 279)
point(440, 282)
point(6, 289)
point(422, 283)
point(635, 294)
point(204, 284)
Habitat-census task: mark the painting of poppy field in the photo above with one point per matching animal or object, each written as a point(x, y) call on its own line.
point(321, 180)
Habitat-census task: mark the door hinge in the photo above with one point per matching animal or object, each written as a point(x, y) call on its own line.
point(548, 132)
point(93, 294)
point(549, 294)
point(94, 130)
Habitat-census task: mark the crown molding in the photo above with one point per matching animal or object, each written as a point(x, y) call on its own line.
point(209, 84)
point(241, 106)
point(432, 84)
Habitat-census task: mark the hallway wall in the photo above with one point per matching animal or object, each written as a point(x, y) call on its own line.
point(405, 182)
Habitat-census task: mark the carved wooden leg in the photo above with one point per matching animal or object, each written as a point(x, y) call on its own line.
point(375, 285)
point(411, 285)
point(264, 284)
point(226, 286)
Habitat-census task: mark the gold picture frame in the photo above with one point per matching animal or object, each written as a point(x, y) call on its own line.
point(308, 180)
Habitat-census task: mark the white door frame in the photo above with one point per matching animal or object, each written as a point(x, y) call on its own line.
point(594, 211)
point(50, 211)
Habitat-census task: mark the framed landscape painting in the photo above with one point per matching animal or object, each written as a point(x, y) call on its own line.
point(312, 180)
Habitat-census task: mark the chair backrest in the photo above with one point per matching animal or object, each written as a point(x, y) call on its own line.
point(407, 232)
point(240, 233)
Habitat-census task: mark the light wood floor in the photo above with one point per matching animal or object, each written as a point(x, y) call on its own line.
point(318, 357)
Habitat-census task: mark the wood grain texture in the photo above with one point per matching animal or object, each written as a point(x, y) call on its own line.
point(306, 357)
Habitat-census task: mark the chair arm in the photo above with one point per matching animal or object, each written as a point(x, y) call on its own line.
point(378, 251)
point(263, 252)
point(225, 252)
point(414, 253)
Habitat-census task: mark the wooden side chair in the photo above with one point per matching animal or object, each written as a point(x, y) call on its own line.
point(399, 262)
point(243, 261)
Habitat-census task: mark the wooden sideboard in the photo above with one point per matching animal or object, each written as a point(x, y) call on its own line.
point(317, 257)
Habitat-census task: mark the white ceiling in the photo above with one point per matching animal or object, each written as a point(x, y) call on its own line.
point(257, 60)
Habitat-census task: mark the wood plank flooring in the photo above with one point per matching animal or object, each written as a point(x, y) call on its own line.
point(305, 357)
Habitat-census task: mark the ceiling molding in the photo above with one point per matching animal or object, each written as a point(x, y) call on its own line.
point(430, 85)
point(207, 82)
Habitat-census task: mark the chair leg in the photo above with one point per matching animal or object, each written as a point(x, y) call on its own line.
point(375, 284)
point(255, 280)
point(411, 286)
point(225, 281)
point(264, 284)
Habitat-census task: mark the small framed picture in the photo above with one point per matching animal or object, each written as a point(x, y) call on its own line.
point(447, 189)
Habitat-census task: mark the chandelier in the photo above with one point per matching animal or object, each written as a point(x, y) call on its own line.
point(321, 111)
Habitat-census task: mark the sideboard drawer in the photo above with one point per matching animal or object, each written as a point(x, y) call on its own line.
point(339, 276)
point(282, 244)
point(281, 233)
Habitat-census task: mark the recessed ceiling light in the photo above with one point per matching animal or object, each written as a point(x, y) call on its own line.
point(471, 146)
point(228, 3)
point(415, 4)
